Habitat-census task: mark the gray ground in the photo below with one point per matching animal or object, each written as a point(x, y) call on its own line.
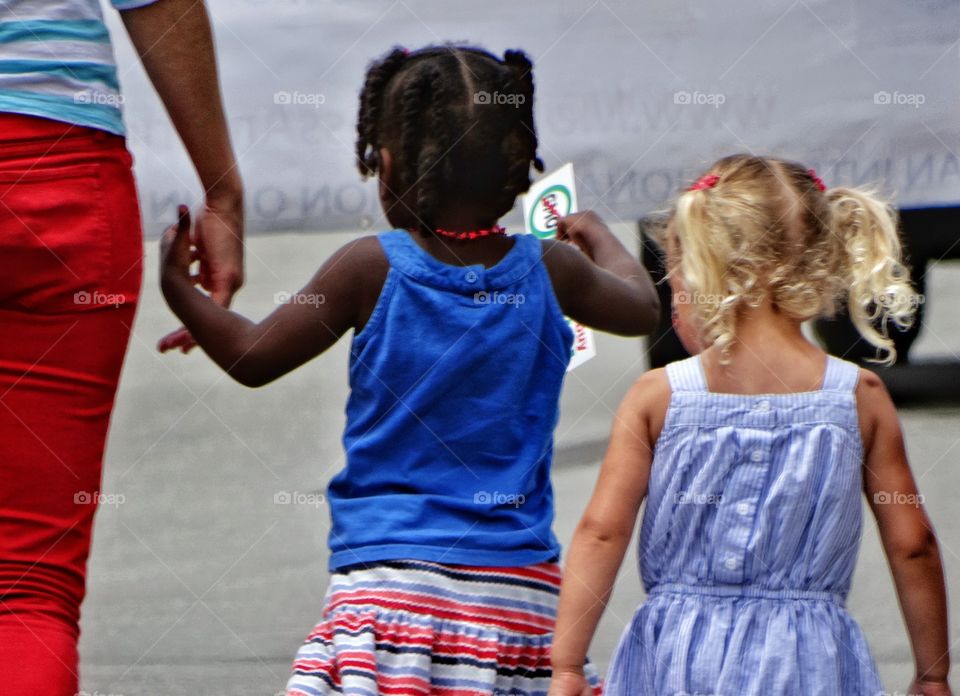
point(200, 583)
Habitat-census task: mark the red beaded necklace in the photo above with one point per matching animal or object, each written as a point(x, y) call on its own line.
point(471, 234)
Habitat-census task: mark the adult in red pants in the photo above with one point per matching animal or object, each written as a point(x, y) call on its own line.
point(70, 252)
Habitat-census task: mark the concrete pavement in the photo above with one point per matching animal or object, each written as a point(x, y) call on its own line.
point(203, 580)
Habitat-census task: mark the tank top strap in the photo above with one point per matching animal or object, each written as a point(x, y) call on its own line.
point(840, 375)
point(397, 247)
point(687, 375)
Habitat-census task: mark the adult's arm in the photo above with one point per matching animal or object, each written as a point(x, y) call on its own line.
point(175, 43)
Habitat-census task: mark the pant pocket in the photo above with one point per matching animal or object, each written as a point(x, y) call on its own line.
point(56, 240)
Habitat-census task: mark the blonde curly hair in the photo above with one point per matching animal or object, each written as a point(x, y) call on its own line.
point(762, 228)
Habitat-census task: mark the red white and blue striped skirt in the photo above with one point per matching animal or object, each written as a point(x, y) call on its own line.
point(413, 627)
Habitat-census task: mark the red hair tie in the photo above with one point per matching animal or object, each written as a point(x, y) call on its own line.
point(707, 181)
point(817, 181)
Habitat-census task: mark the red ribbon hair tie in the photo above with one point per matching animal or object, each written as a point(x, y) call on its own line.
point(707, 181)
point(817, 181)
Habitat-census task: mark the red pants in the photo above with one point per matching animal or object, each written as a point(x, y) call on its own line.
point(70, 268)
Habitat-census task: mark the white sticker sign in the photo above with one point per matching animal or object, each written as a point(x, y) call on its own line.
point(550, 198)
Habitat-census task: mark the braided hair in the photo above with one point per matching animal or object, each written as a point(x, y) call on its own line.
point(459, 124)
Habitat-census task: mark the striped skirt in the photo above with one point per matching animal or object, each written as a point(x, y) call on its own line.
point(413, 627)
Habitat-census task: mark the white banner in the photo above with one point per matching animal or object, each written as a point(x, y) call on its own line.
point(640, 96)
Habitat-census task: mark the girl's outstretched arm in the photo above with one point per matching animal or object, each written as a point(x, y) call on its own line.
point(298, 330)
point(605, 529)
point(605, 286)
point(907, 535)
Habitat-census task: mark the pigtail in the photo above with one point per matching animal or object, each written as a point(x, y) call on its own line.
point(422, 113)
point(865, 229)
point(371, 104)
point(521, 69)
point(715, 292)
point(519, 147)
point(432, 164)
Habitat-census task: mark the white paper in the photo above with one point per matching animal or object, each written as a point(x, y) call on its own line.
point(550, 198)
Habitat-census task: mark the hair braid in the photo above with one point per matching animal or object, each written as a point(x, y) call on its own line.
point(371, 105)
point(522, 80)
point(416, 98)
point(432, 163)
point(519, 151)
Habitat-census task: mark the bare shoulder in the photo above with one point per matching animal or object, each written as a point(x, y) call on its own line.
point(649, 399)
point(357, 264)
point(869, 382)
point(874, 406)
point(560, 258)
point(569, 271)
point(555, 250)
point(365, 252)
point(652, 387)
point(350, 280)
point(871, 393)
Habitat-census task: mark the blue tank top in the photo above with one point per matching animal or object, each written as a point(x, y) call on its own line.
point(455, 384)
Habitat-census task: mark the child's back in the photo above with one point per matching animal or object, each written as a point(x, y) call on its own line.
point(748, 544)
point(443, 567)
point(752, 456)
point(455, 383)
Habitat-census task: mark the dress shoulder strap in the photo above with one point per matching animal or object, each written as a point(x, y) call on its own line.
point(687, 375)
point(841, 375)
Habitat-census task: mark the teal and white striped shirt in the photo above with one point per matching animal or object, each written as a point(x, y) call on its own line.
point(56, 61)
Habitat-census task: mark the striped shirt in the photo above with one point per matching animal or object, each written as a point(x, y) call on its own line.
point(56, 61)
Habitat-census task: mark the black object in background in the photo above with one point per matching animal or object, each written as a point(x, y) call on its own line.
point(929, 235)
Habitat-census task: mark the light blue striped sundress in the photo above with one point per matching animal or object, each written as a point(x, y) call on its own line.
point(748, 543)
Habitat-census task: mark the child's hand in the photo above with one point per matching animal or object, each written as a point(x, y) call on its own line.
point(175, 253)
point(217, 244)
point(569, 683)
point(921, 687)
point(585, 229)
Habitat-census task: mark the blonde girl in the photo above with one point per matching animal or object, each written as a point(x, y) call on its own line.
point(752, 456)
